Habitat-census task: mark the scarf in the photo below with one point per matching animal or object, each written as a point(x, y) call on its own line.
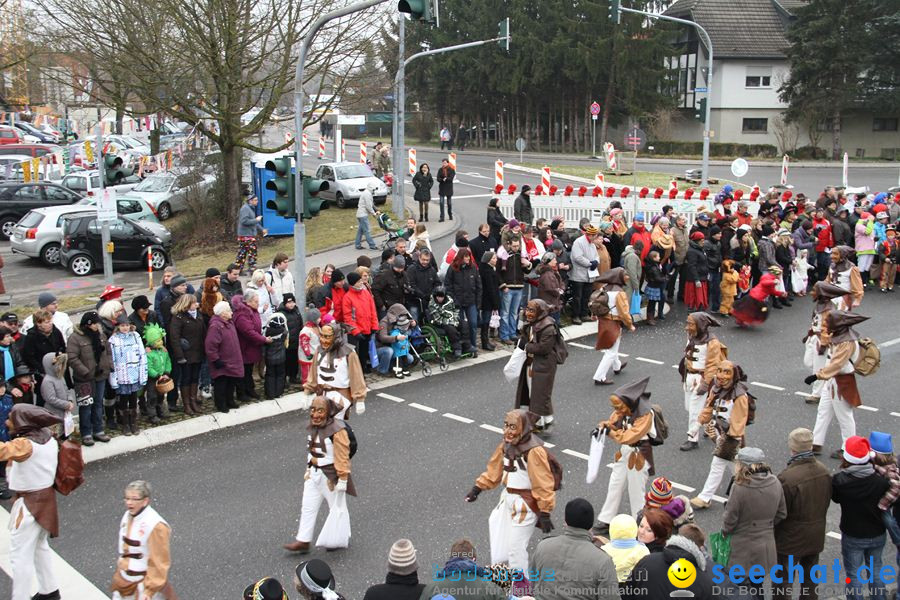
point(623, 544)
point(193, 313)
point(96, 346)
point(8, 369)
point(860, 471)
point(327, 593)
point(800, 456)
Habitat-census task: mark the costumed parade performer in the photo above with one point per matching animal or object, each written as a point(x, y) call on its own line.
point(610, 319)
point(545, 351)
point(753, 309)
point(845, 274)
point(702, 356)
point(827, 297)
point(336, 373)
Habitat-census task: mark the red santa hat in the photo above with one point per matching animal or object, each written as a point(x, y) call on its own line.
point(857, 450)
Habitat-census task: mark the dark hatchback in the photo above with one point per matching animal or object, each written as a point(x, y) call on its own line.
point(16, 199)
point(81, 251)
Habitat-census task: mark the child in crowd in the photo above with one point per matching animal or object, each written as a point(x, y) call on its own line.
point(54, 390)
point(886, 465)
point(129, 372)
point(744, 278)
point(800, 273)
point(889, 251)
point(6, 404)
point(22, 389)
point(656, 281)
point(729, 285)
point(309, 339)
point(159, 366)
point(276, 356)
point(400, 348)
point(623, 547)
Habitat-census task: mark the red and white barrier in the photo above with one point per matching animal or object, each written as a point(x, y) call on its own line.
point(784, 169)
point(412, 162)
point(287, 137)
point(498, 173)
point(343, 149)
point(321, 148)
point(610, 152)
point(451, 158)
point(545, 177)
point(598, 180)
point(304, 144)
point(362, 152)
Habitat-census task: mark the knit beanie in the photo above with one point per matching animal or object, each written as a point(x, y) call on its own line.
point(336, 276)
point(45, 299)
point(800, 440)
point(881, 442)
point(353, 277)
point(487, 256)
point(312, 315)
point(402, 559)
point(176, 281)
point(697, 236)
point(660, 493)
point(580, 514)
point(140, 303)
point(623, 527)
point(212, 272)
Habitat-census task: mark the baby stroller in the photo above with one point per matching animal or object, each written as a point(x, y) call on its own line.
point(393, 233)
point(421, 346)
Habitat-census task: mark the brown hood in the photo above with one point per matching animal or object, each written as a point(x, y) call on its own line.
point(738, 384)
point(635, 396)
point(840, 325)
point(613, 278)
point(331, 425)
point(527, 419)
point(32, 421)
point(823, 293)
point(844, 265)
point(704, 321)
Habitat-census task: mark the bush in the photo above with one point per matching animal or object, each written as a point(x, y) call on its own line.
point(717, 149)
point(809, 153)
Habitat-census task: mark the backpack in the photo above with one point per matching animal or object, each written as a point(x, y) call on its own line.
point(751, 408)
point(659, 423)
point(69, 468)
point(869, 358)
point(560, 350)
point(598, 303)
point(557, 471)
point(353, 444)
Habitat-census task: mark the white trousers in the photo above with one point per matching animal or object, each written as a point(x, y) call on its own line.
point(315, 489)
point(831, 404)
point(717, 470)
point(816, 362)
point(29, 553)
point(610, 359)
point(510, 527)
point(622, 476)
point(864, 262)
point(693, 404)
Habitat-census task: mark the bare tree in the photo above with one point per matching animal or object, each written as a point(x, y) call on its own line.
point(787, 134)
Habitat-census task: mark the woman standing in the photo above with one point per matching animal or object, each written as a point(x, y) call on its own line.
point(696, 289)
point(360, 316)
point(223, 351)
point(864, 238)
point(490, 296)
point(845, 274)
point(129, 373)
point(464, 285)
point(249, 328)
point(188, 332)
point(420, 233)
point(495, 219)
point(755, 506)
point(315, 280)
point(784, 256)
point(90, 365)
point(423, 182)
point(258, 284)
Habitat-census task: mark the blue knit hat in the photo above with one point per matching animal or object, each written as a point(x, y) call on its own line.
point(881, 442)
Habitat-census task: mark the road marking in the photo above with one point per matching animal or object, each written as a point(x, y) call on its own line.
point(834, 535)
point(895, 414)
point(720, 499)
point(684, 488)
point(491, 428)
point(389, 397)
point(650, 360)
point(889, 343)
point(549, 445)
point(674, 366)
point(767, 386)
point(578, 345)
point(575, 454)
point(427, 409)
point(623, 355)
point(868, 408)
point(458, 418)
point(803, 395)
point(474, 195)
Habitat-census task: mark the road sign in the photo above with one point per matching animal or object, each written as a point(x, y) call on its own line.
point(594, 117)
point(703, 89)
point(106, 207)
point(635, 139)
point(351, 119)
point(595, 109)
point(520, 144)
point(739, 167)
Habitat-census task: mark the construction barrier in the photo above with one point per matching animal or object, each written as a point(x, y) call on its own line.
point(545, 178)
point(412, 162)
point(304, 144)
point(321, 148)
point(451, 158)
point(343, 149)
point(362, 152)
point(784, 170)
point(610, 152)
point(498, 173)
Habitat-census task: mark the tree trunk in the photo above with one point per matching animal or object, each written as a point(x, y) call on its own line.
point(120, 114)
point(836, 136)
point(154, 141)
point(231, 171)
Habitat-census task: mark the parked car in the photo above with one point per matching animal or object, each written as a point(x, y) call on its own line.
point(52, 132)
point(9, 135)
point(39, 137)
point(82, 247)
point(125, 143)
point(347, 182)
point(15, 170)
point(168, 192)
point(32, 150)
point(87, 183)
point(39, 233)
point(16, 199)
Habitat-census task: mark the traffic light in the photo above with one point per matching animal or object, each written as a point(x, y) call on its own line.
point(700, 111)
point(114, 170)
point(283, 185)
point(312, 204)
point(421, 10)
point(614, 13)
point(503, 32)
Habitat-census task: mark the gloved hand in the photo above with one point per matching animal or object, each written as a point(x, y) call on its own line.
point(472, 496)
point(544, 522)
point(594, 265)
point(810, 379)
point(219, 363)
point(360, 408)
point(341, 485)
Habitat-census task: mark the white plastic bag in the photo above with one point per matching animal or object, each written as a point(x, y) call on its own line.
point(336, 530)
point(513, 367)
point(498, 530)
point(495, 320)
point(595, 458)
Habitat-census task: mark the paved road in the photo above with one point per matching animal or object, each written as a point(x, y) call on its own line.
point(233, 496)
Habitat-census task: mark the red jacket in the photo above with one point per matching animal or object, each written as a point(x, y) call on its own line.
point(765, 288)
point(825, 238)
point(744, 218)
point(359, 311)
point(640, 232)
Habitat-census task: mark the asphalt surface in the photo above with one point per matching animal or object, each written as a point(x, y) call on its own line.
point(233, 497)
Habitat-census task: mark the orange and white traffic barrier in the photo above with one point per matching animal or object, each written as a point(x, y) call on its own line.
point(412, 162)
point(673, 185)
point(304, 144)
point(498, 173)
point(545, 177)
point(343, 149)
point(321, 148)
point(599, 181)
point(610, 152)
point(362, 152)
point(287, 137)
point(451, 158)
point(784, 170)
point(149, 268)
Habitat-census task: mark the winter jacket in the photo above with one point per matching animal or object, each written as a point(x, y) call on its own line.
point(682, 241)
point(247, 225)
point(445, 177)
point(61, 320)
point(282, 283)
point(752, 511)
point(54, 391)
point(695, 264)
point(421, 281)
point(804, 241)
point(365, 206)
point(550, 287)
point(583, 254)
point(37, 345)
point(858, 497)
point(229, 289)
point(388, 323)
point(639, 233)
point(223, 349)
point(654, 275)
point(164, 316)
point(462, 578)
point(275, 352)
point(249, 329)
point(784, 258)
point(825, 239)
point(15, 356)
point(443, 314)
point(387, 289)
point(294, 320)
point(359, 311)
point(158, 363)
point(139, 324)
point(422, 184)
point(522, 210)
point(713, 251)
point(193, 331)
point(581, 569)
point(464, 285)
point(511, 273)
point(480, 245)
point(495, 221)
point(631, 262)
point(129, 360)
point(841, 232)
point(490, 287)
point(766, 255)
point(650, 580)
point(865, 237)
point(84, 365)
point(807, 494)
point(396, 587)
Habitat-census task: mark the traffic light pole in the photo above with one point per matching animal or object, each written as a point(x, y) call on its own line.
point(397, 200)
point(299, 268)
point(709, 79)
point(400, 113)
point(105, 237)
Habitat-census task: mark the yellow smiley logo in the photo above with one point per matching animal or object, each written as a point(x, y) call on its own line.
point(682, 573)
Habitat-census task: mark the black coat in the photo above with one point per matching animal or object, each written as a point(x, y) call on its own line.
point(858, 497)
point(522, 210)
point(464, 286)
point(193, 331)
point(396, 587)
point(423, 184)
point(650, 580)
point(388, 289)
point(294, 323)
point(482, 244)
point(139, 323)
point(37, 345)
point(695, 263)
point(229, 289)
point(496, 221)
point(783, 258)
point(421, 281)
point(490, 287)
point(713, 251)
point(445, 181)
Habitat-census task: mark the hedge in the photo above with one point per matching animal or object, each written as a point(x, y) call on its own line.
point(716, 149)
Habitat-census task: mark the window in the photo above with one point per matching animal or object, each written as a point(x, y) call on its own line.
point(129, 207)
point(59, 195)
point(755, 126)
point(76, 183)
point(758, 77)
point(121, 229)
point(884, 124)
point(28, 193)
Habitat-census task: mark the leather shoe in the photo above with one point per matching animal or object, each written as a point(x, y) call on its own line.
point(87, 441)
point(101, 437)
point(811, 400)
point(301, 547)
point(54, 595)
point(604, 382)
point(620, 369)
point(689, 445)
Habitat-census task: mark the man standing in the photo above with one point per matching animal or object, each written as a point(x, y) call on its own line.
point(482, 243)
point(702, 356)
point(445, 187)
point(800, 537)
point(522, 210)
point(142, 569)
point(48, 302)
point(365, 208)
point(230, 285)
point(248, 226)
point(585, 260)
point(388, 287)
point(445, 138)
point(462, 136)
point(279, 277)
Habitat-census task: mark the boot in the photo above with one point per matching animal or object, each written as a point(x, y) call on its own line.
point(111, 414)
point(133, 422)
point(299, 547)
point(142, 405)
point(486, 339)
point(123, 417)
point(186, 400)
point(426, 211)
point(196, 402)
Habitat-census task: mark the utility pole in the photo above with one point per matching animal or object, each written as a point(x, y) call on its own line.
point(105, 238)
point(704, 36)
point(397, 197)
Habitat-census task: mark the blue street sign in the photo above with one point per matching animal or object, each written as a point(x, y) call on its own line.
point(703, 89)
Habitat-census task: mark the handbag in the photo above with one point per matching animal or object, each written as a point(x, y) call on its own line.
point(373, 353)
point(513, 366)
point(495, 319)
point(336, 530)
point(720, 547)
point(635, 307)
point(595, 458)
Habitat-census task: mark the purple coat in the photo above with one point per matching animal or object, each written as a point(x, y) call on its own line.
point(249, 330)
point(222, 345)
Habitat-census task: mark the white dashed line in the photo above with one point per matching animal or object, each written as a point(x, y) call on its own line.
point(895, 414)
point(803, 395)
point(684, 488)
point(427, 409)
point(458, 418)
point(549, 445)
point(889, 343)
point(834, 535)
point(674, 366)
point(580, 345)
point(767, 386)
point(576, 454)
point(389, 397)
point(491, 428)
point(650, 360)
point(720, 499)
point(868, 408)
point(623, 355)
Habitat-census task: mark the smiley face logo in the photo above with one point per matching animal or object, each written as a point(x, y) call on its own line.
point(682, 573)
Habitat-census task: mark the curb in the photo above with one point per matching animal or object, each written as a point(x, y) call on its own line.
point(165, 434)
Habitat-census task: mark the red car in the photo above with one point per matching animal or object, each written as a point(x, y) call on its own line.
point(9, 135)
point(35, 150)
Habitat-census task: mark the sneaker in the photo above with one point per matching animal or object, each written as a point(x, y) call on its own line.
point(576, 321)
point(87, 441)
point(407, 372)
point(101, 437)
point(206, 392)
point(689, 445)
point(699, 502)
point(5, 495)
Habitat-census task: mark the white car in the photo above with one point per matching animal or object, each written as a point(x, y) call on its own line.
point(125, 143)
point(168, 193)
point(15, 171)
point(347, 181)
point(87, 183)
